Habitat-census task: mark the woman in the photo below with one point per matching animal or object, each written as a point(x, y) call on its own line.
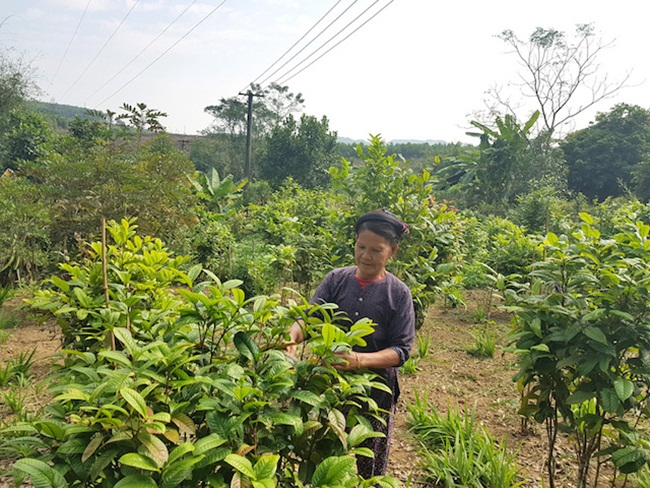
point(368, 290)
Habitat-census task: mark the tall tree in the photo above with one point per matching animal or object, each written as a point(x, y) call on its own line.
point(303, 151)
point(604, 157)
point(561, 75)
point(16, 83)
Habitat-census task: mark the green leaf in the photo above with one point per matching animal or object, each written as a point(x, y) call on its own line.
point(540, 347)
point(232, 284)
point(266, 466)
point(246, 346)
point(241, 464)
point(178, 472)
point(624, 388)
point(207, 443)
point(50, 429)
point(41, 474)
point(134, 399)
point(155, 446)
point(595, 334)
point(308, 397)
point(92, 447)
point(61, 284)
point(84, 300)
point(194, 272)
point(136, 481)
point(282, 418)
point(610, 400)
point(180, 451)
point(139, 461)
point(536, 327)
point(630, 459)
point(579, 397)
point(333, 471)
point(360, 433)
point(586, 218)
point(117, 357)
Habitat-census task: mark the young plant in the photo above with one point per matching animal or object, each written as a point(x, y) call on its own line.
point(581, 335)
point(458, 451)
point(485, 340)
point(410, 366)
point(424, 344)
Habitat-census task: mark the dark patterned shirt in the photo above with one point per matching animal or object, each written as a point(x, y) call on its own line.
point(387, 302)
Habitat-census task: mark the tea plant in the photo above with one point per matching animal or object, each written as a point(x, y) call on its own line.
point(184, 386)
point(582, 336)
point(457, 451)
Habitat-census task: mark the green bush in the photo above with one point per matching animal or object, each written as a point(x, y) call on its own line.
point(174, 382)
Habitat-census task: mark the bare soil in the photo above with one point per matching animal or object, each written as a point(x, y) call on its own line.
point(449, 376)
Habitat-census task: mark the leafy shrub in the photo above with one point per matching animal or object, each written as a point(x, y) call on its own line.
point(582, 337)
point(178, 383)
point(501, 245)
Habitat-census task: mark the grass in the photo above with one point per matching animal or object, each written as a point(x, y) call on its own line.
point(7, 320)
point(485, 342)
point(458, 451)
point(424, 344)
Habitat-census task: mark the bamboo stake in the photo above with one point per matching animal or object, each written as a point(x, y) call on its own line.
point(105, 276)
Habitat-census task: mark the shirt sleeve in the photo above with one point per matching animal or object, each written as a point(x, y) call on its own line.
point(403, 328)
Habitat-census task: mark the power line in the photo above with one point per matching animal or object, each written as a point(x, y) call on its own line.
point(102, 48)
point(285, 80)
point(165, 52)
point(70, 43)
point(141, 52)
point(297, 42)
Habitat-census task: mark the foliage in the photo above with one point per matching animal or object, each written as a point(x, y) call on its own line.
point(217, 193)
point(502, 167)
point(607, 158)
point(24, 238)
point(303, 151)
point(427, 259)
point(485, 340)
point(142, 118)
point(271, 106)
point(539, 211)
point(83, 184)
point(458, 451)
point(196, 389)
point(16, 83)
point(224, 153)
point(496, 245)
point(296, 238)
point(26, 138)
point(582, 337)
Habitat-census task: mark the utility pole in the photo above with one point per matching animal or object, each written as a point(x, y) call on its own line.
point(249, 132)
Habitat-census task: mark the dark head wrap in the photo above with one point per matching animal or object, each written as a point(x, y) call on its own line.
point(384, 216)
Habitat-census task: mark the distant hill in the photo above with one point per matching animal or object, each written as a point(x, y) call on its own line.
point(71, 111)
point(60, 110)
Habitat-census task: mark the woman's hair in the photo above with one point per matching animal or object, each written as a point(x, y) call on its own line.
point(383, 223)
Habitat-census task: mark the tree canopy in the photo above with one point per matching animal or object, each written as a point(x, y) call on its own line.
point(603, 158)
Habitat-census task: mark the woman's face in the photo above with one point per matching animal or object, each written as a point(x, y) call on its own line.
point(371, 253)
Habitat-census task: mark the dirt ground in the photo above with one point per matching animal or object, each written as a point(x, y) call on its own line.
point(449, 376)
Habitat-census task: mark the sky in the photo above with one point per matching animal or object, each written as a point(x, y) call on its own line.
point(404, 69)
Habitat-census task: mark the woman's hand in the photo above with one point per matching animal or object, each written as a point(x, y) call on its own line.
point(295, 338)
point(350, 360)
